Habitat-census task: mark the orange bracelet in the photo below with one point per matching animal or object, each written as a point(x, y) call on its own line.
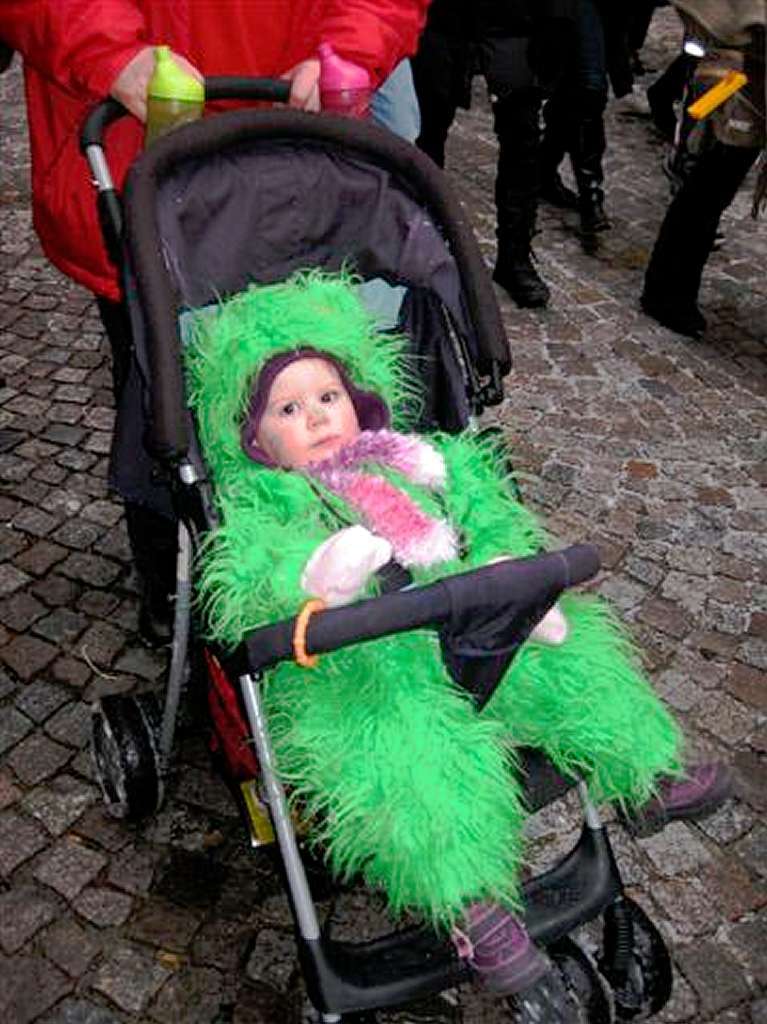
point(314, 604)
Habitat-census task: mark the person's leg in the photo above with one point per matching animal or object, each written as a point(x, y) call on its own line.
point(395, 106)
point(638, 26)
point(152, 536)
point(587, 705)
point(557, 117)
point(586, 152)
point(587, 140)
point(686, 237)
point(114, 318)
point(408, 785)
point(666, 90)
point(517, 183)
point(439, 71)
point(390, 764)
point(437, 116)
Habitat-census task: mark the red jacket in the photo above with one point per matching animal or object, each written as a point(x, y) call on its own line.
point(74, 49)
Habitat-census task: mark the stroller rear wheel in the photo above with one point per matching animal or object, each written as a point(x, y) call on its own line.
point(635, 961)
point(126, 754)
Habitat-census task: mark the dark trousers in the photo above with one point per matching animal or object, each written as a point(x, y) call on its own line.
point(517, 128)
point(574, 116)
point(152, 536)
point(516, 119)
point(639, 20)
point(669, 86)
point(688, 230)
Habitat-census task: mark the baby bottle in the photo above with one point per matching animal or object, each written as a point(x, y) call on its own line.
point(174, 97)
point(344, 86)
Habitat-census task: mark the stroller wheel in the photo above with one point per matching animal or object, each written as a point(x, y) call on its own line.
point(585, 984)
point(635, 961)
point(126, 754)
point(550, 999)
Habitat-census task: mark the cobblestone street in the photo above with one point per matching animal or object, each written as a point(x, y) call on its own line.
point(624, 434)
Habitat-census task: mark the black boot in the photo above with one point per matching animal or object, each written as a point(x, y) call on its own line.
point(556, 193)
point(678, 314)
point(586, 152)
point(517, 185)
point(592, 211)
point(557, 122)
point(516, 274)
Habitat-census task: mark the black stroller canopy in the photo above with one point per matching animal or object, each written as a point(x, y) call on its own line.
point(260, 211)
point(254, 195)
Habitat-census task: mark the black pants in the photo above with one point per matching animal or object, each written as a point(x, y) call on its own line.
point(669, 86)
point(640, 16)
point(688, 230)
point(516, 113)
point(574, 116)
point(152, 535)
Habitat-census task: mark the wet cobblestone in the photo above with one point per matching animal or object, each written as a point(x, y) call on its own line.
point(624, 434)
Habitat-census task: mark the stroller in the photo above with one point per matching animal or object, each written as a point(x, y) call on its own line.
point(253, 195)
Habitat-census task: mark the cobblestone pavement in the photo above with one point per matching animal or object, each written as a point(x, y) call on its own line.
point(627, 435)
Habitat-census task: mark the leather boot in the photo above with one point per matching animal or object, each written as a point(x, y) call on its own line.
point(516, 274)
point(557, 120)
point(517, 186)
point(592, 211)
point(586, 152)
point(556, 193)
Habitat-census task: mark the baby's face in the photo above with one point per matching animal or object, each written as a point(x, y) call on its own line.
point(309, 415)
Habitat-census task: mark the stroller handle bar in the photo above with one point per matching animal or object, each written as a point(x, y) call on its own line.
point(218, 87)
point(105, 113)
point(524, 586)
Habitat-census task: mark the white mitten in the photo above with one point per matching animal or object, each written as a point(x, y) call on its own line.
point(552, 629)
point(342, 565)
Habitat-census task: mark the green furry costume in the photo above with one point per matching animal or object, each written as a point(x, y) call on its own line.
point(409, 784)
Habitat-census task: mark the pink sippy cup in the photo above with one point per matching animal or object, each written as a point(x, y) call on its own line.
point(344, 86)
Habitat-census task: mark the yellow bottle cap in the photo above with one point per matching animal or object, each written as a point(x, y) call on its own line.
point(170, 82)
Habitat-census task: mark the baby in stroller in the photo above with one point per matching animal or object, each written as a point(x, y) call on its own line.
point(299, 399)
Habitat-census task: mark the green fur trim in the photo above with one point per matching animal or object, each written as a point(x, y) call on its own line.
point(589, 706)
point(229, 346)
point(409, 785)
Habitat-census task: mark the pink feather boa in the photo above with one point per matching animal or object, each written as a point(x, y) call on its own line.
point(416, 538)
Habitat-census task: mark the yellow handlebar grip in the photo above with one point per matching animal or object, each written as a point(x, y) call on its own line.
point(717, 94)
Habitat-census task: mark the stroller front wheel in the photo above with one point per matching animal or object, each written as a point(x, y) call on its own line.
point(635, 961)
point(126, 756)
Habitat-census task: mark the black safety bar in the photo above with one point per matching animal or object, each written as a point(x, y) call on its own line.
point(518, 584)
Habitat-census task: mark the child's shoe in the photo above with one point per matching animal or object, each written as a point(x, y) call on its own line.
point(497, 946)
point(701, 791)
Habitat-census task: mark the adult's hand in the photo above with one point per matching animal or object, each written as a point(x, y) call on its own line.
point(304, 81)
point(131, 85)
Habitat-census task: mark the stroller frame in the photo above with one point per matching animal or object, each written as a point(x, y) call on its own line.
point(133, 743)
